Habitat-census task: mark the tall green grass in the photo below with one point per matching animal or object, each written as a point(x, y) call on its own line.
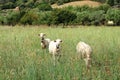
point(21, 56)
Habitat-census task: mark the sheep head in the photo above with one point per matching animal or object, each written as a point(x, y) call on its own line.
point(42, 35)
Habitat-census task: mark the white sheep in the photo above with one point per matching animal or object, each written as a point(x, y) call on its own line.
point(85, 52)
point(110, 23)
point(54, 49)
point(44, 41)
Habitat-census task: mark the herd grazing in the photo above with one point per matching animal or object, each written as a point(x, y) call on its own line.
point(83, 49)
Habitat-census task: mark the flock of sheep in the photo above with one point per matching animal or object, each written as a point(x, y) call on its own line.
point(53, 46)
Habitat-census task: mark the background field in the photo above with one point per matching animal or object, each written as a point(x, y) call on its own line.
point(21, 56)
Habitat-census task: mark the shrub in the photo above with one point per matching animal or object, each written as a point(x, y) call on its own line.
point(62, 16)
point(43, 18)
point(8, 5)
point(104, 7)
point(30, 4)
point(110, 2)
point(44, 7)
point(83, 8)
point(113, 15)
point(83, 18)
point(52, 1)
point(1, 20)
point(29, 17)
point(13, 17)
point(97, 17)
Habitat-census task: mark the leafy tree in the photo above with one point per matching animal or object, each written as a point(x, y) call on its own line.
point(29, 17)
point(44, 7)
point(62, 16)
point(114, 15)
point(110, 2)
point(83, 18)
point(97, 17)
point(13, 17)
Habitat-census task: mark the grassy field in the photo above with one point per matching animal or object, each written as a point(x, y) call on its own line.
point(21, 56)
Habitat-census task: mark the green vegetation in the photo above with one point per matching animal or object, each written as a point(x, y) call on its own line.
point(21, 57)
point(40, 12)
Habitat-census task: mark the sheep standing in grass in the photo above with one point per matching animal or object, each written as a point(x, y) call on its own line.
point(85, 52)
point(54, 49)
point(44, 41)
point(110, 23)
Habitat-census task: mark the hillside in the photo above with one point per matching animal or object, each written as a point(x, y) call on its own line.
point(78, 3)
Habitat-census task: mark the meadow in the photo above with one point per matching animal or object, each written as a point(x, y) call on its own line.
point(21, 56)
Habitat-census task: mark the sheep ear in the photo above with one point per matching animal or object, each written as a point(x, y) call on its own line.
point(54, 40)
point(61, 41)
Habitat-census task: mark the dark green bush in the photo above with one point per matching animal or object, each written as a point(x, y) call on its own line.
point(114, 15)
point(111, 2)
point(82, 8)
point(13, 18)
point(83, 18)
point(29, 17)
point(8, 5)
point(1, 20)
point(43, 18)
point(97, 17)
point(62, 16)
point(103, 7)
point(44, 7)
point(52, 1)
point(30, 4)
point(9, 17)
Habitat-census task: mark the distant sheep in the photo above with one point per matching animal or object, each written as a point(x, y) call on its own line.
point(17, 8)
point(44, 41)
point(85, 52)
point(110, 23)
point(54, 49)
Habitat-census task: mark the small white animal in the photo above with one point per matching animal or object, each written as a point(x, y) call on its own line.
point(44, 41)
point(110, 23)
point(85, 52)
point(54, 49)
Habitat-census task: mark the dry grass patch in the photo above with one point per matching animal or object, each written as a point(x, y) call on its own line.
point(78, 3)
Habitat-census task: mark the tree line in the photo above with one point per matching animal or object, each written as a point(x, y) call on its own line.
point(37, 12)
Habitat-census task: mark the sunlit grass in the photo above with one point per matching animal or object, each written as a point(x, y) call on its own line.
point(21, 56)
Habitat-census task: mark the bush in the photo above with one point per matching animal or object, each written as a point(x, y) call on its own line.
point(29, 17)
point(13, 18)
point(9, 17)
point(30, 4)
point(83, 8)
point(1, 20)
point(113, 15)
point(97, 17)
point(62, 16)
point(44, 18)
point(44, 7)
point(104, 7)
point(110, 2)
point(8, 5)
point(83, 18)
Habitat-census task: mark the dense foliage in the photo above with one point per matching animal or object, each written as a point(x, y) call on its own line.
point(37, 12)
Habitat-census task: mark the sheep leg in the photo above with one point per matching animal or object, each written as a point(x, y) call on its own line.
point(58, 56)
point(54, 59)
point(88, 63)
